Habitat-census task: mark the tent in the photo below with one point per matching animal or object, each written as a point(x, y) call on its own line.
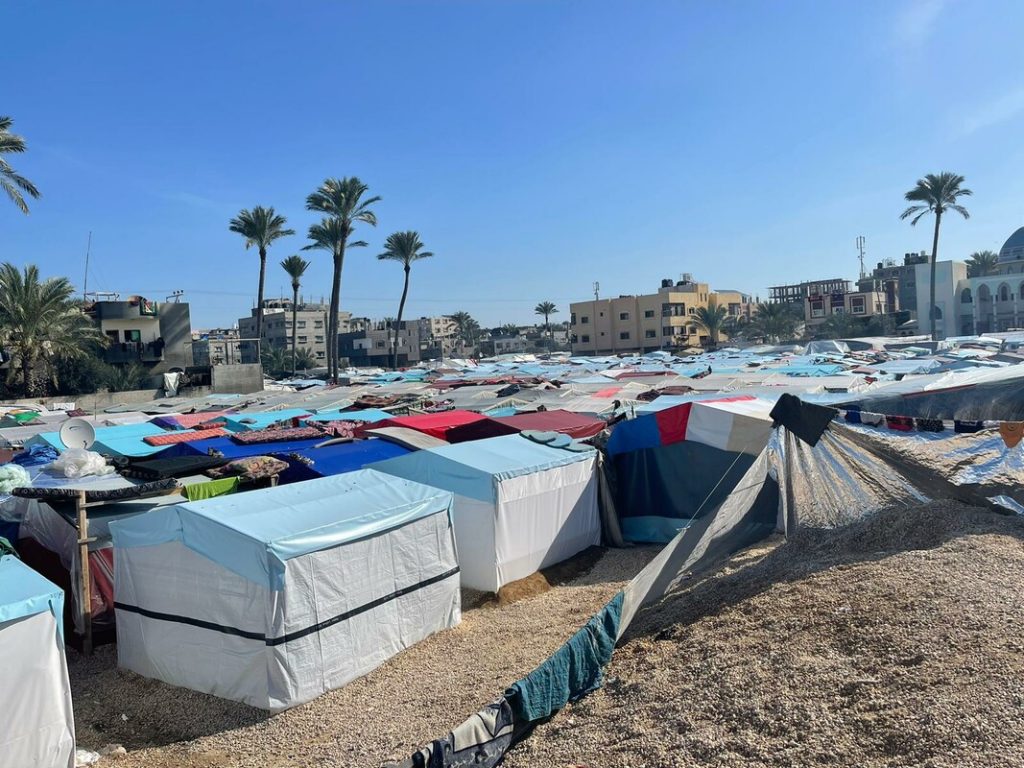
point(120, 440)
point(576, 425)
point(441, 425)
point(673, 464)
point(519, 505)
point(366, 414)
point(38, 723)
point(245, 421)
point(337, 459)
point(274, 596)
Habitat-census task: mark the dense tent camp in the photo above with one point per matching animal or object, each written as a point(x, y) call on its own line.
point(519, 505)
point(441, 425)
point(230, 597)
point(576, 425)
point(672, 465)
point(38, 725)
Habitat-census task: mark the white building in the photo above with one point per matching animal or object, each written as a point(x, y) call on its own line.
point(994, 302)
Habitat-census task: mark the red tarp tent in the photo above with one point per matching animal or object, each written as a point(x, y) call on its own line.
point(575, 425)
point(442, 425)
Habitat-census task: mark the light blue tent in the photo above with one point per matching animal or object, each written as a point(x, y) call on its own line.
point(121, 440)
point(519, 505)
point(367, 414)
point(38, 726)
point(243, 422)
point(274, 596)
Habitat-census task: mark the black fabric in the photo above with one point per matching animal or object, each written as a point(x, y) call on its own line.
point(297, 635)
point(805, 420)
point(113, 494)
point(479, 430)
point(161, 469)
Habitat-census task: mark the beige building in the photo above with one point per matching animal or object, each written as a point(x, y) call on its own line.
point(862, 304)
point(648, 322)
point(310, 326)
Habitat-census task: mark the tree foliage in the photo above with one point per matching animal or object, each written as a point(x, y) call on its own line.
point(13, 183)
point(982, 263)
point(405, 248)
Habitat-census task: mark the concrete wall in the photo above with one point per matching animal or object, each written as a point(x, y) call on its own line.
point(236, 379)
point(101, 400)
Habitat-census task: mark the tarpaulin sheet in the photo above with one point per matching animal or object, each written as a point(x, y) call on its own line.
point(433, 424)
point(233, 450)
point(576, 425)
point(337, 459)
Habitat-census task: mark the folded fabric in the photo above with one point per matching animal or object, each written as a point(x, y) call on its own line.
point(929, 425)
point(110, 494)
point(967, 426)
point(872, 419)
point(250, 468)
point(36, 455)
point(158, 469)
point(256, 436)
point(185, 436)
point(212, 489)
point(215, 424)
point(340, 428)
point(900, 423)
point(852, 415)
point(1011, 432)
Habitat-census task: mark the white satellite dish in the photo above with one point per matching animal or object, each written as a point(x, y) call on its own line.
point(77, 433)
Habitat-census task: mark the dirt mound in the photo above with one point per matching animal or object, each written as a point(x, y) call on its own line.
point(898, 641)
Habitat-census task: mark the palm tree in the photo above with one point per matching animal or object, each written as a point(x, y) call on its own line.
point(547, 309)
point(935, 193)
point(982, 263)
point(342, 202)
point(306, 360)
point(405, 248)
point(839, 326)
point(508, 329)
point(296, 267)
point(260, 227)
point(467, 328)
point(12, 182)
point(711, 318)
point(275, 361)
point(39, 322)
point(775, 322)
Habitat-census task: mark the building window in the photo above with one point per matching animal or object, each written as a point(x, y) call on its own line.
point(572, 320)
point(666, 330)
point(1004, 292)
point(585, 339)
point(600, 314)
point(584, 319)
point(650, 334)
point(857, 305)
point(965, 296)
point(301, 339)
point(623, 315)
point(624, 336)
point(648, 313)
point(380, 345)
point(300, 323)
point(319, 353)
point(114, 336)
point(318, 339)
point(318, 323)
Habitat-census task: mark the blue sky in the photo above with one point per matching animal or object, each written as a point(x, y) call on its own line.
point(536, 146)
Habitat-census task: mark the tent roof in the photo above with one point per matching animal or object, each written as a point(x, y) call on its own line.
point(473, 469)
point(366, 414)
point(576, 425)
point(433, 424)
point(233, 450)
point(23, 592)
point(343, 457)
point(240, 422)
point(255, 533)
point(120, 440)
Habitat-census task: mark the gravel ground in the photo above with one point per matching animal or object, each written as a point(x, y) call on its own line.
point(894, 642)
point(414, 697)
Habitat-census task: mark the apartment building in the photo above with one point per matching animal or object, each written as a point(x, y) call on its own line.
point(645, 323)
point(860, 304)
point(371, 347)
point(310, 325)
point(795, 295)
point(438, 336)
point(153, 334)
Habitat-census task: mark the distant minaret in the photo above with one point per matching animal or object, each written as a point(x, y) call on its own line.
point(860, 247)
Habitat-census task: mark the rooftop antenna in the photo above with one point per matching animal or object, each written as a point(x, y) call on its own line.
point(176, 295)
point(85, 282)
point(597, 291)
point(860, 247)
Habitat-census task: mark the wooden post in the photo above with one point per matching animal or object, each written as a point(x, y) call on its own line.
point(85, 605)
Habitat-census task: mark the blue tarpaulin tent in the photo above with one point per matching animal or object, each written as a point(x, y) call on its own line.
point(367, 414)
point(241, 422)
point(121, 440)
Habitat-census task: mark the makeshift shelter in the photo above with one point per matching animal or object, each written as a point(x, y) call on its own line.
point(37, 726)
point(674, 464)
point(275, 596)
point(125, 440)
point(366, 414)
point(519, 505)
point(576, 425)
point(442, 425)
point(337, 459)
point(241, 422)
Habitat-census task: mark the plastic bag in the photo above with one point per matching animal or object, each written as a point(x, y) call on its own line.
point(78, 462)
point(13, 476)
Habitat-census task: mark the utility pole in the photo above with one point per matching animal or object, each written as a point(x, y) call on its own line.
point(85, 282)
point(860, 248)
point(597, 291)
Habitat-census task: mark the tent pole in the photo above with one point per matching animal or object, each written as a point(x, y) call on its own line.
point(85, 603)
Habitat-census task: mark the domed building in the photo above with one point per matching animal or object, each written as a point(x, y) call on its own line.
point(1013, 250)
point(995, 303)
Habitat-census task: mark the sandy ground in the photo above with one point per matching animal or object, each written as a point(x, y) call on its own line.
point(414, 697)
point(896, 642)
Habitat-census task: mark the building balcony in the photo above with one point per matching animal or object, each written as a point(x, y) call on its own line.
point(133, 352)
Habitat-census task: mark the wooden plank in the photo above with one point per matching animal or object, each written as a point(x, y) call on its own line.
point(85, 606)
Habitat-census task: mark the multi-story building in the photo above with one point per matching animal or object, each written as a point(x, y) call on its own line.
point(795, 295)
point(156, 335)
point(644, 323)
point(438, 336)
point(860, 304)
point(310, 325)
point(903, 275)
point(372, 346)
point(987, 304)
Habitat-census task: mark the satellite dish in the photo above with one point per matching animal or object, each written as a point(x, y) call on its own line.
point(77, 433)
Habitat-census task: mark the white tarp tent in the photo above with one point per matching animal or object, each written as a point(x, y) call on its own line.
point(519, 505)
point(275, 596)
point(37, 725)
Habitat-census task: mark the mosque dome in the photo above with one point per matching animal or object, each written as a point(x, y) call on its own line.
point(1013, 248)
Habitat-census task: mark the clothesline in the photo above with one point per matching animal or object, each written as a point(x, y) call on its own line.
point(1011, 431)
